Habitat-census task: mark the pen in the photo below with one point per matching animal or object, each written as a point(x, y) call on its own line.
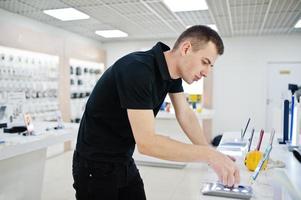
point(272, 136)
point(260, 139)
point(251, 139)
point(243, 134)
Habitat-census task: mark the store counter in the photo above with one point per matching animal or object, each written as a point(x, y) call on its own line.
point(268, 185)
point(272, 182)
point(22, 159)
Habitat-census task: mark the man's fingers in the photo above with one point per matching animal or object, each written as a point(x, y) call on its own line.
point(237, 176)
point(225, 178)
point(227, 171)
point(230, 179)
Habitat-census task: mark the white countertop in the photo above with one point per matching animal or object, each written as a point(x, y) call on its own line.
point(17, 144)
point(187, 183)
point(264, 186)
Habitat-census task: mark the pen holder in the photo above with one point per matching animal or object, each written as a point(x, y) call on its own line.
point(253, 158)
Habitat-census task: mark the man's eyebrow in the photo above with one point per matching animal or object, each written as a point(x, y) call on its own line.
point(209, 62)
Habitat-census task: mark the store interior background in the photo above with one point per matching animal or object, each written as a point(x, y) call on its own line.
point(237, 86)
point(239, 76)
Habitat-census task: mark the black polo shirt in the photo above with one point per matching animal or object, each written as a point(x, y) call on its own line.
point(139, 80)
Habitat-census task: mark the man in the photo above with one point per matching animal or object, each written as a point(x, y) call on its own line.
point(121, 113)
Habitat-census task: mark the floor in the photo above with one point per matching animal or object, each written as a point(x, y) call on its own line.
point(160, 183)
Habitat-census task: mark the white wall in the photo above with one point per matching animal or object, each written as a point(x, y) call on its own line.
point(240, 78)
point(239, 84)
point(116, 50)
point(22, 32)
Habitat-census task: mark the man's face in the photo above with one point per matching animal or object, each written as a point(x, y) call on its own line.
point(195, 65)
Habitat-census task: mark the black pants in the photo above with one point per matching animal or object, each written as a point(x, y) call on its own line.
point(106, 181)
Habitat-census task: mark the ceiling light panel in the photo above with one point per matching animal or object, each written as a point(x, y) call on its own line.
point(298, 24)
point(111, 33)
point(67, 14)
point(186, 5)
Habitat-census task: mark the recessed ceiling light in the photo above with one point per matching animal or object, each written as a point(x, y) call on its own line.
point(66, 14)
point(298, 24)
point(186, 5)
point(111, 33)
point(212, 26)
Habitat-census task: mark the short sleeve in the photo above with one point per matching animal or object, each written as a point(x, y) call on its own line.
point(176, 86)
point(134, 85)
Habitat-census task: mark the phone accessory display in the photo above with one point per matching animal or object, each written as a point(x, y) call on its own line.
point(33, 74)
point(83, 77)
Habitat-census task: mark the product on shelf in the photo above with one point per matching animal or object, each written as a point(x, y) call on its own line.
point(33, 74)
point(83, 77)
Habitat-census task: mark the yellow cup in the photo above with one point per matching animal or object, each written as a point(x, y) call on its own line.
point(253, 158)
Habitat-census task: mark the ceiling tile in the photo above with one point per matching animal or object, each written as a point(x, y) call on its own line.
point(149, 19)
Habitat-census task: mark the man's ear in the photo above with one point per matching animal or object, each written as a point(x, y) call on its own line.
point(185, 47)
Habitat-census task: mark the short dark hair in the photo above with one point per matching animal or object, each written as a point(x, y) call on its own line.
point(200, 35)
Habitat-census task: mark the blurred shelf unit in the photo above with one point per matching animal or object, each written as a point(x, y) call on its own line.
point(83, 77)
point(33, 76)
point(193, 94)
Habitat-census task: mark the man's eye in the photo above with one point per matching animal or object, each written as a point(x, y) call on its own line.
point(204, 62)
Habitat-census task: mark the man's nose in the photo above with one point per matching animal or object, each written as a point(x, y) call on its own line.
point(205, 73)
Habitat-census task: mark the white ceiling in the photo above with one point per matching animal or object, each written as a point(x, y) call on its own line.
point(149, 19)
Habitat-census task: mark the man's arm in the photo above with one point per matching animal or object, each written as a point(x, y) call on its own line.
point(151, 144)
point(187, 119)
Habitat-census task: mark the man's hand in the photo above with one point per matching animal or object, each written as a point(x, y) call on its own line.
point(232, 158)
point(225, 168)
point(152, 144)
